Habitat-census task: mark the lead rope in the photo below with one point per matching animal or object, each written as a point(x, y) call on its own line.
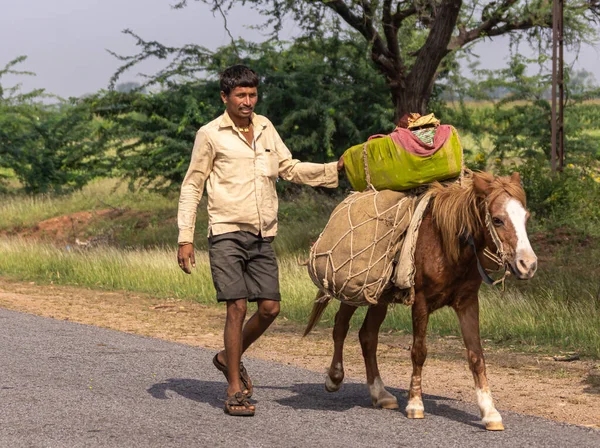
point(499, 257)
point(366, 165)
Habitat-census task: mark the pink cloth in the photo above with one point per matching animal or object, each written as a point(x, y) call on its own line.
point(411, 143)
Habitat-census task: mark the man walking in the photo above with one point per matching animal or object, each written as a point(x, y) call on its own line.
point(240, 155)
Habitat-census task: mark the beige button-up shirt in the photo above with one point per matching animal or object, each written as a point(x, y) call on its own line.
point(240, 179)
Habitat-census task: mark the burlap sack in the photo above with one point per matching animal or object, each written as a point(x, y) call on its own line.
point(353, 258)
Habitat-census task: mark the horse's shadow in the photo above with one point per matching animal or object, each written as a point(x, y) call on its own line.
point(313, 396)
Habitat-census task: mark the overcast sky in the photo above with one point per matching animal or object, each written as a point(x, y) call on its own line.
point(66, 40)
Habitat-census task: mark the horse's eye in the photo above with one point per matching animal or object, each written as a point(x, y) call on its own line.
point(497, 222)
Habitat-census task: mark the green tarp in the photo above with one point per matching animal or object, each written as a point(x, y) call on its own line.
point(393, 168)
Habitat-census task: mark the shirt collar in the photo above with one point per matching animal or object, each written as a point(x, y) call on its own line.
point(257, 120)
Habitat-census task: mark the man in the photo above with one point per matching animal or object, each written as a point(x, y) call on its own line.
point(240, 156)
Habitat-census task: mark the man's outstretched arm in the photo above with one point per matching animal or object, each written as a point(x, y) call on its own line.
point(313, 174)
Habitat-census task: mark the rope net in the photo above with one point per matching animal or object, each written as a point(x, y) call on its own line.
point(353, 258)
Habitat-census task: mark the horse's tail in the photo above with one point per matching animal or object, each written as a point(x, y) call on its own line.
point(321, 302)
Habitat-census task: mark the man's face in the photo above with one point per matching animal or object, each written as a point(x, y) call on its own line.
point(240, 102)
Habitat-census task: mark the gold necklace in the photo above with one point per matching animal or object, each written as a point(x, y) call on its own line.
point(246, 129)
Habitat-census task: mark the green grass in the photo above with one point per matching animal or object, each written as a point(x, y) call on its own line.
point(556, 310)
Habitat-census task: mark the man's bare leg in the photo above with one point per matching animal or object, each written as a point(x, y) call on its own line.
point(236, 313)
point(257, 324)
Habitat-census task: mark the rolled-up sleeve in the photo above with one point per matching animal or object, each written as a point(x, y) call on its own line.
point(313, 174)
point(191, 189)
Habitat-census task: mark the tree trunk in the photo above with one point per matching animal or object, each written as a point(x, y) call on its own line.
point(407, 101)
point(411, 91)
point(410, 99)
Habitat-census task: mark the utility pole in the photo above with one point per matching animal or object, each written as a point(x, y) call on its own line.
point(558, 93)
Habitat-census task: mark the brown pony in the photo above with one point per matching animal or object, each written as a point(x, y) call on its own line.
point(484, 213)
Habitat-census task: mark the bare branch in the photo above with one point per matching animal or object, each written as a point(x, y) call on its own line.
point(380, 54)
point(402, 14)
point(390, 29)
point(218, 6)
point(490, 21)
point(186, 60)
point(435, 48)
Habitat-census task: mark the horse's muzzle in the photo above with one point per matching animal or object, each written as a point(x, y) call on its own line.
point(525, 266)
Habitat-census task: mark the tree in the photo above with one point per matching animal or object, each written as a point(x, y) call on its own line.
point(49, 147)
point(130, 86)
point(152, 134)
point(411, 41)
point(581, 84)
point(320, 94)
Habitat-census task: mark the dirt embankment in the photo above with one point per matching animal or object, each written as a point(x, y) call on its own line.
point(63, 229)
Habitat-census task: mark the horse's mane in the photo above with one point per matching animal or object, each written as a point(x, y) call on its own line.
point(457, 209)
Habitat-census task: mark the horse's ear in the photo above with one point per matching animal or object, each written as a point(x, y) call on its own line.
point(515, 178)
point(481, 185)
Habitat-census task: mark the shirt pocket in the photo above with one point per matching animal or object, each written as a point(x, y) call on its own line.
point(272, 164)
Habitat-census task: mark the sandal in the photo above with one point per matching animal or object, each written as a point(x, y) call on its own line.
point(239, 406)
point(244, 377)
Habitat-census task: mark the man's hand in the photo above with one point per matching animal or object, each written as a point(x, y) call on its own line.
point(340, 164)
point(186, 258)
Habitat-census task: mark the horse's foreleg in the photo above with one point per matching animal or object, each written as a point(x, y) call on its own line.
point(418, 354)
point(468, 316)
point(369, 339)
point(335, 375)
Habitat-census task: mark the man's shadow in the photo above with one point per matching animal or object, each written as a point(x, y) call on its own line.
point(313, 396)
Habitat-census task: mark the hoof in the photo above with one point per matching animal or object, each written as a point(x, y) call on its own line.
point(415, 413)
point(494, 426)
point(386, 403)
point(380, 397)
point(330, 386)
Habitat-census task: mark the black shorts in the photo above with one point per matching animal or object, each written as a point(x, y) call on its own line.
point(243, 266)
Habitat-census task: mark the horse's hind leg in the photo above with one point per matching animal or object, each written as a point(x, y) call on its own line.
point(369, 338)
point(418, 354)
point(335, 375)
point(468, 316)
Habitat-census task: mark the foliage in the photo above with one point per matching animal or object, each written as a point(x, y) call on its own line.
point(513, 132)
point(54, 148)
point(153, 134)
point(319, 94)
point(130, 86)
point(570, 199)
point(49, 147)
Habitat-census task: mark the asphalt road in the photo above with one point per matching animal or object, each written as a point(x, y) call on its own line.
point(70, 385)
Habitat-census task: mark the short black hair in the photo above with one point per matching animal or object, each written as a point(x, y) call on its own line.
point(237, 76)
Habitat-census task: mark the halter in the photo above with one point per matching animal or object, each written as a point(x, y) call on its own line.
point(500, 257)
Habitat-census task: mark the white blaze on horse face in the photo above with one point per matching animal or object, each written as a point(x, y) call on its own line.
point(525, 263)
